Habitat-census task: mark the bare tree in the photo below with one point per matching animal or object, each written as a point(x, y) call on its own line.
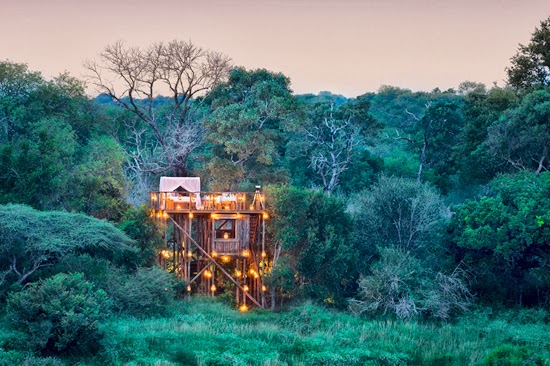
point(331, 147)
point(134, 76)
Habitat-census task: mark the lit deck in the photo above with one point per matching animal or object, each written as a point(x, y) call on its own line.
point(208, 202)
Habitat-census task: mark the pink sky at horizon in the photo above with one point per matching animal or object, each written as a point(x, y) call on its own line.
point(348, 47)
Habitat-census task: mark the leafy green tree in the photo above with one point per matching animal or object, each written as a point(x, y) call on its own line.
point(397, 212)
point(314, 233)
point(401, 285)
point(31, 240)
point(521, 139)
point(249, 114)
point(60, 315)
point(531, 64)
point(504, 238)
point(335, 136)
point(481, 109)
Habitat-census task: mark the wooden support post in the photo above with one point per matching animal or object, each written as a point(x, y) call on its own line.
point(213, 261)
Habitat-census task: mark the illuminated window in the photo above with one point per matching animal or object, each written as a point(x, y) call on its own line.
point(225, 229)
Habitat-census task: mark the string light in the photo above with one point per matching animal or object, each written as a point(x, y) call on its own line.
point(245, 288)
point(246, 253)
point(190, 215)
point(225, 259)
point(264, 254)
point(188, 288)
point(243, 308)
point(213, 288)
point(266, 216)
point(214, 254)
point(264, 289)
point(189, 254)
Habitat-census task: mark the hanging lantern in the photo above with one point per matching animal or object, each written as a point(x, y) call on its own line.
point(226, 235)
point(190, 215)
point(264, 254)
point(213, 288)
point(189, 254)
point(188, 288)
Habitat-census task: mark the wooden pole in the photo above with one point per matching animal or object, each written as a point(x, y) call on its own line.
point(213, 261)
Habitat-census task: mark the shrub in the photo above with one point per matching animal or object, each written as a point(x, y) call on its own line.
point(147, 292)
point(508, 355)
point(60, 315)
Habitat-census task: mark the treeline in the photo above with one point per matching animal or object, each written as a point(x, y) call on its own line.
point(409, 204)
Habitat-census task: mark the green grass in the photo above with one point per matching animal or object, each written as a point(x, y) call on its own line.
point(205, 332)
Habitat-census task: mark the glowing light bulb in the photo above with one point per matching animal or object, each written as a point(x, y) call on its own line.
point(245, 288)
point(243, 308)
point(264, 289)
point(188, 288)
point(213, 288)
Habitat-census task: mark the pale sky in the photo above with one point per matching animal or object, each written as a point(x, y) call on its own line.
point(347, 47)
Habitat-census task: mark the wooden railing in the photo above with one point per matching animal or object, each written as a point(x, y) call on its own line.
point(207, 201)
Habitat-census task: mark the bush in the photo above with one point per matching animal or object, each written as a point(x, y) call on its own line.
point(507, 355)
point(147, 292)
point(60, 315)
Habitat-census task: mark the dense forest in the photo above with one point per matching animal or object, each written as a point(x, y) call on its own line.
point(414, 226)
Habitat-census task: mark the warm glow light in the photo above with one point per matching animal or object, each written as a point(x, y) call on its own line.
point(243, 308)
point(252, 271)
point(251, 207)
point(214, 216)
point(238, 273)
point(245, 288)
point(266, 216)
point(264, 254)
point(207, 274)
point(165, 215)
point(264, 289)
point(213, 288)
point(246, 253)
point(239, 216)
point(190, 254)
point(225, 259)
point(165, 254)
point(214, 254)
point(256, 275)
point(188, 288)
point(190, 215)
point(178, 207)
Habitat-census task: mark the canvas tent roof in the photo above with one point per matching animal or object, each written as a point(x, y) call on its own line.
point(170, 184)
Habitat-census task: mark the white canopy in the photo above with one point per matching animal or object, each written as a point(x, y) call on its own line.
point(170, 184)
point(190, 184)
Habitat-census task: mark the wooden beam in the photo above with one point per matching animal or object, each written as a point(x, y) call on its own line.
point(217, 264)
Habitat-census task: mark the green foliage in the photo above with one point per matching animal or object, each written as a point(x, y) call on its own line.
point(397, 212)
point(138, 225)
point(146, 292)
point(505, 236)
point(32, 240)
point(530, 65)
point(521, 139)
point(315, 232)
point(249, 113)
point(207, 332)
point(508, 355)
point(60, 315)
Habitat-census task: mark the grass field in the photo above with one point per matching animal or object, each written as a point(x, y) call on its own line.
point(203, 332)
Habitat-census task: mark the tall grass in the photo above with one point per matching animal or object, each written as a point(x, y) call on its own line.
point(204, 332)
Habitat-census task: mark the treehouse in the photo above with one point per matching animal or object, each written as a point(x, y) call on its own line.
point(214, 241)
